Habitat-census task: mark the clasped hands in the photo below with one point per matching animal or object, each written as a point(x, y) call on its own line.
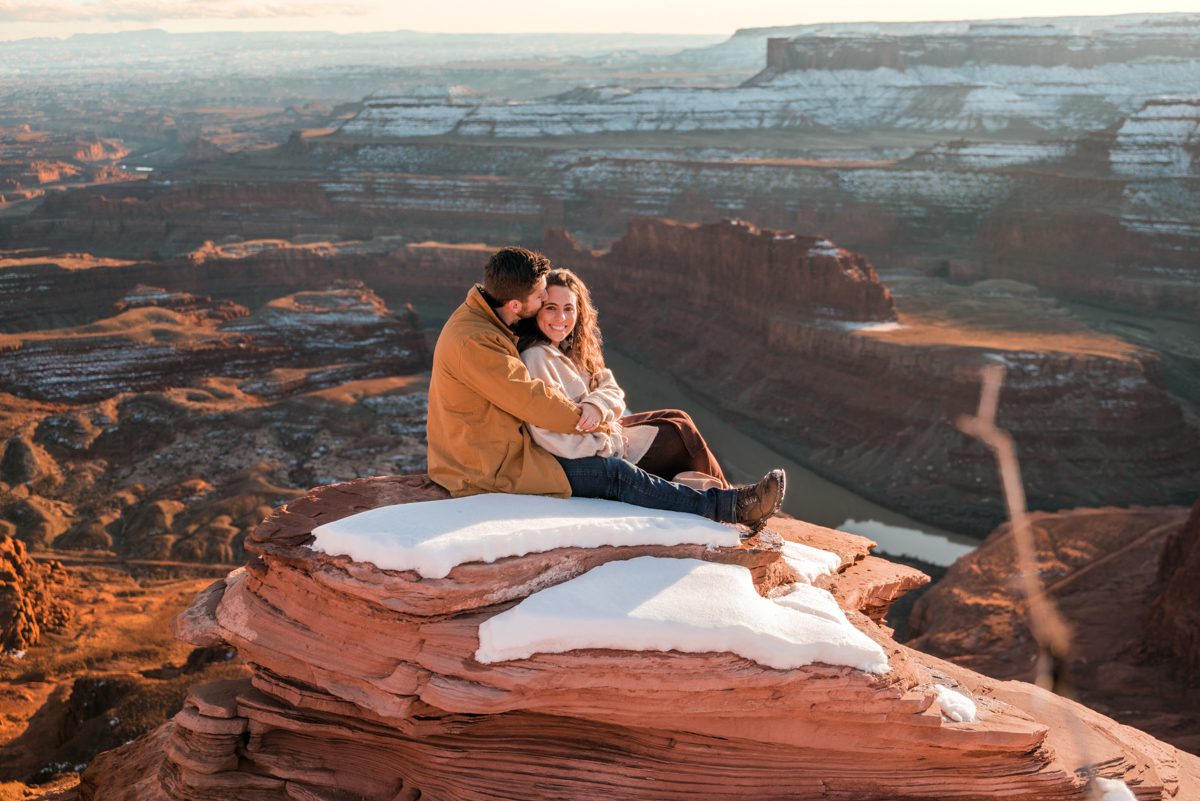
point(590, 417)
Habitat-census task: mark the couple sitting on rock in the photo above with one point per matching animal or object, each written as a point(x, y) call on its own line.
point(520, 401)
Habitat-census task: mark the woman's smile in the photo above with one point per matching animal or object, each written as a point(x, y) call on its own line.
point(557, 317)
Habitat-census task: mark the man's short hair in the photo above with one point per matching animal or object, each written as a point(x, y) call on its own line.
point(511, 273)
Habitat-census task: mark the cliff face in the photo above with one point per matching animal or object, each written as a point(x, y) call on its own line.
point(873, 405)
point(1079, 180)
point(1133, 635)
point(364, 682)
point(987, 78)
point(1174, 620)
point(754, 274)
point(1001, 42)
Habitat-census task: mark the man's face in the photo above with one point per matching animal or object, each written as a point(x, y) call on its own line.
point(534, 300)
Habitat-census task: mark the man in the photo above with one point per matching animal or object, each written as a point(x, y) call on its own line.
point(481, 396)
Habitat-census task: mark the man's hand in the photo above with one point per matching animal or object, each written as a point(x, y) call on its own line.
point(589, 417)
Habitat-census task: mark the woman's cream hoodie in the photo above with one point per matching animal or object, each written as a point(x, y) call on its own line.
point(602, 391)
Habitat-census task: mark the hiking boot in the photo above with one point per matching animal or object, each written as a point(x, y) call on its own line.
point(757, 502)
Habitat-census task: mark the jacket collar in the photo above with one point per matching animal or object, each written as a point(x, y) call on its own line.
point(480, 307)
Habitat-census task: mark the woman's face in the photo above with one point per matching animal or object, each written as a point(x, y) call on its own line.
point(558, 314)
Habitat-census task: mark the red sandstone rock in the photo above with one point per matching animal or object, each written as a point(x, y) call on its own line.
point(756, 274)
point(29, 597)
point(1100, 567)
point(364, 685)
point(201, 308)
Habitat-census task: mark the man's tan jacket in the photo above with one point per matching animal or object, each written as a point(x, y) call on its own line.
point(480, 397)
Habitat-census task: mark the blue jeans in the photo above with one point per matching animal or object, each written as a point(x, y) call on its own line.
point(618, 480)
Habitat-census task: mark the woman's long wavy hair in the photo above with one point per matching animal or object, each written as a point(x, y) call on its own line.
point(583, 344)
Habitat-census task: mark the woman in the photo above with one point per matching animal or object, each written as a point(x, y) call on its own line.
point(561, 346)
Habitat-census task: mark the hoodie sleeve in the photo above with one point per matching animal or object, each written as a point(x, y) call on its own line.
point(606, 395)
point(490, 368)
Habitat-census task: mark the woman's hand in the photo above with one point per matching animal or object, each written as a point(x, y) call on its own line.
point(589, 417)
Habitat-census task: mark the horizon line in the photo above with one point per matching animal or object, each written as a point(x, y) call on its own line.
point(736, 31)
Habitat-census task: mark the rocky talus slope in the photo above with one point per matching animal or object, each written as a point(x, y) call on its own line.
point(1125, 580)
point(364, 684)
point(801, 339)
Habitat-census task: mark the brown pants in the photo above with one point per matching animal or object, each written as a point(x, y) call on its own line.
point(678, 446)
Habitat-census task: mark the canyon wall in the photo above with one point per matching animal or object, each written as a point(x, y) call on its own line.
point(1060, 152)
point(873, 405)
point(1174, 619)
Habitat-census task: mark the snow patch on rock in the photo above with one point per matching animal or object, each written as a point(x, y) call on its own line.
point(810, 563)
point(687, 605)
point(955, 705)
point(1113, 790)
point(432, 537)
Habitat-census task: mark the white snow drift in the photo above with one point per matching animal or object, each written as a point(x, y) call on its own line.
point(955, 705)
point(688, 605)
point(432, 537)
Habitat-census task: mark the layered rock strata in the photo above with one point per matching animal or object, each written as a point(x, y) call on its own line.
point(163, 338)
point(991, 76)
point(792, 343)
point(799, 339)
point(363, 683)
point(1133, 622)
point(67, 290)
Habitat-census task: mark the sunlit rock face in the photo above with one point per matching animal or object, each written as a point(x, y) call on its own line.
point(30, 597)
point(367, 681)
point(1046, 151)
point(1000, 160)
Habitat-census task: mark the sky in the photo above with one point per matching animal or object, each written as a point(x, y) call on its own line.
point(27, 18)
